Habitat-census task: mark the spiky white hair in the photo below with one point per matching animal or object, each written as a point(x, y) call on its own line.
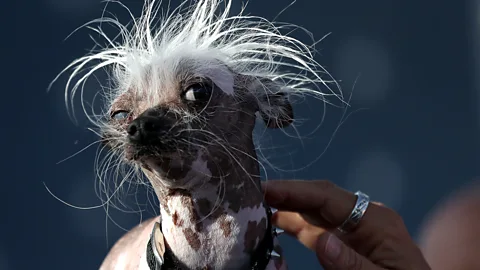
point(215, 43)
point(205, 33)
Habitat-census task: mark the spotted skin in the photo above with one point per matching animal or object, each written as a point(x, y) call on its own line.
point(204, 171)
point(129, 251)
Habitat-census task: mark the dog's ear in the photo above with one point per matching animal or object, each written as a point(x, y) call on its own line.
point(273, 103)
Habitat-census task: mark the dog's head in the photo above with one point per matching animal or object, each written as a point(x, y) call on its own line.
point(190, 86)
point(177, 117)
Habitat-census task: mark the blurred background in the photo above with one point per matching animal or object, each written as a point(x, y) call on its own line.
point(413, 135)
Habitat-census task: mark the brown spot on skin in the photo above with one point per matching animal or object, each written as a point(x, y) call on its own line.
point(163, 198)
point(255, 232)
point(189, 205)
point(237, 179)
point(187, 202)
point(225, 226)
point(192, 238)
point(176, 220)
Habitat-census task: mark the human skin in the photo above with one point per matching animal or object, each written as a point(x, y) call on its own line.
point(450, 237)
point(311, 211)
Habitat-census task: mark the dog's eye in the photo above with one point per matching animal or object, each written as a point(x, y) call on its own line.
point(198, 92)
point(120, 115)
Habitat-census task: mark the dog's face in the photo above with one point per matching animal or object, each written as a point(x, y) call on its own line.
point(172, 123)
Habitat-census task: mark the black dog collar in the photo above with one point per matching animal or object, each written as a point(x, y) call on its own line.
point(259, 259)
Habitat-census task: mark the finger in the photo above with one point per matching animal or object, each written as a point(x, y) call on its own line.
point(329, 204)
point(295, 225)
point(334, 254)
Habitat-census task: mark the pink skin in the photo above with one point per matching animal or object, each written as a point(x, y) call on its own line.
point(129, 251)
point(450, 238)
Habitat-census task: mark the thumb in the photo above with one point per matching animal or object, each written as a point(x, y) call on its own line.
point(334, 254)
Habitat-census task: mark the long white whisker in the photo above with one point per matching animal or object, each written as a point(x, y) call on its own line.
point(79, 151)
point(255, 67)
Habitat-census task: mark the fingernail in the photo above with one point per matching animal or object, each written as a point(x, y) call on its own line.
point(333, 248)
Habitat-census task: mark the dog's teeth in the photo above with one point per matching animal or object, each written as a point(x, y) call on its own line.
point(274, 254)
point(278, 231)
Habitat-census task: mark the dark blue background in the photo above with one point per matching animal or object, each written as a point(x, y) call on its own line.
point(414, 63)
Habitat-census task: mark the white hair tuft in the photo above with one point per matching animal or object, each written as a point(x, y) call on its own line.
point(147, 53)
point(206, 33)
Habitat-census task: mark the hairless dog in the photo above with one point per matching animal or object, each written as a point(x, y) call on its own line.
point(186, 94)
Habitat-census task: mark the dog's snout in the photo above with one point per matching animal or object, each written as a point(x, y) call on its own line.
point(143, 128)
point(146, 127)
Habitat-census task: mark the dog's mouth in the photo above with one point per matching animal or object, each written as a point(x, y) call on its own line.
point(166, 156)
point(172, 168)
point(134, 153)
point(169, 155)
point(141, 153)
point(166, 146)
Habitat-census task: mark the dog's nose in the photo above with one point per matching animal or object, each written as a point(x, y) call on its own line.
point(146, 127)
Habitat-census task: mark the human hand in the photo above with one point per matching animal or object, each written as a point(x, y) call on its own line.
point(312, 211)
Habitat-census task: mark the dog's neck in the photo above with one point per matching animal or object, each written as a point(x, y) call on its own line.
point(216, 225)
